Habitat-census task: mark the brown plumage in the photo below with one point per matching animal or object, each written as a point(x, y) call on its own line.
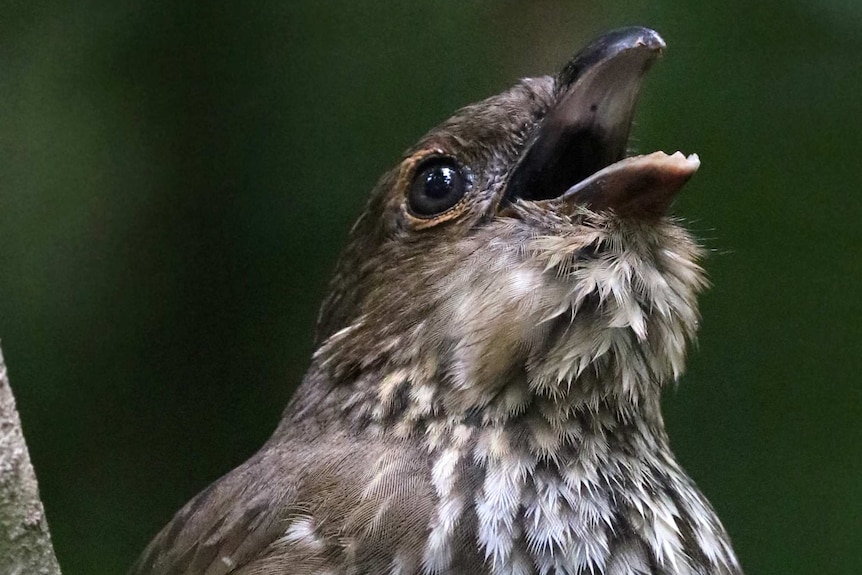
point(484, 397)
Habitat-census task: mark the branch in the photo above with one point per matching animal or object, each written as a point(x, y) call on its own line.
point(25, 543)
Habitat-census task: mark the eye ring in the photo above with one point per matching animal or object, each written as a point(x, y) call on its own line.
point(439, 184)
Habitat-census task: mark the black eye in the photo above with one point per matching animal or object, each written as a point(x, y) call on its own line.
point(439, 184)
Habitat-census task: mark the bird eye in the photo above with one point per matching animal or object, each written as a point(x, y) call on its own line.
point(438, 185)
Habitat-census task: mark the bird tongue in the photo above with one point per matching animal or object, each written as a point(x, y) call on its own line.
point(638, 185)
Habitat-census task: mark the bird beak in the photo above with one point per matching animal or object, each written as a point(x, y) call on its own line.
point(576, 156)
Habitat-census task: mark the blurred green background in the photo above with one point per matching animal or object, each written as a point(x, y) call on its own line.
point(176, 180)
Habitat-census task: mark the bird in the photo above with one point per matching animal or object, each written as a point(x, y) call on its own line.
point(484, 397)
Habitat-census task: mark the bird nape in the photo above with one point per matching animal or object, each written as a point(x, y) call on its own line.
point(484, 397)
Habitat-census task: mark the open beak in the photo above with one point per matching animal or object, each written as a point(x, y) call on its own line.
point(576, 156)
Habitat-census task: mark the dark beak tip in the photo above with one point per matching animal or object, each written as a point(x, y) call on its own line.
point(610, 46)
point(631, 38)
point(650, 39)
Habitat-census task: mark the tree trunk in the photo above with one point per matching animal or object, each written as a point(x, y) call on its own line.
point(25, 543)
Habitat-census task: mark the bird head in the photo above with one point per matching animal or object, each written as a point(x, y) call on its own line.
point(516, 243)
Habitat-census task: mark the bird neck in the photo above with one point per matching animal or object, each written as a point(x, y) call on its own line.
point(575, 472)
point(403, 394)
point(584, 476)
